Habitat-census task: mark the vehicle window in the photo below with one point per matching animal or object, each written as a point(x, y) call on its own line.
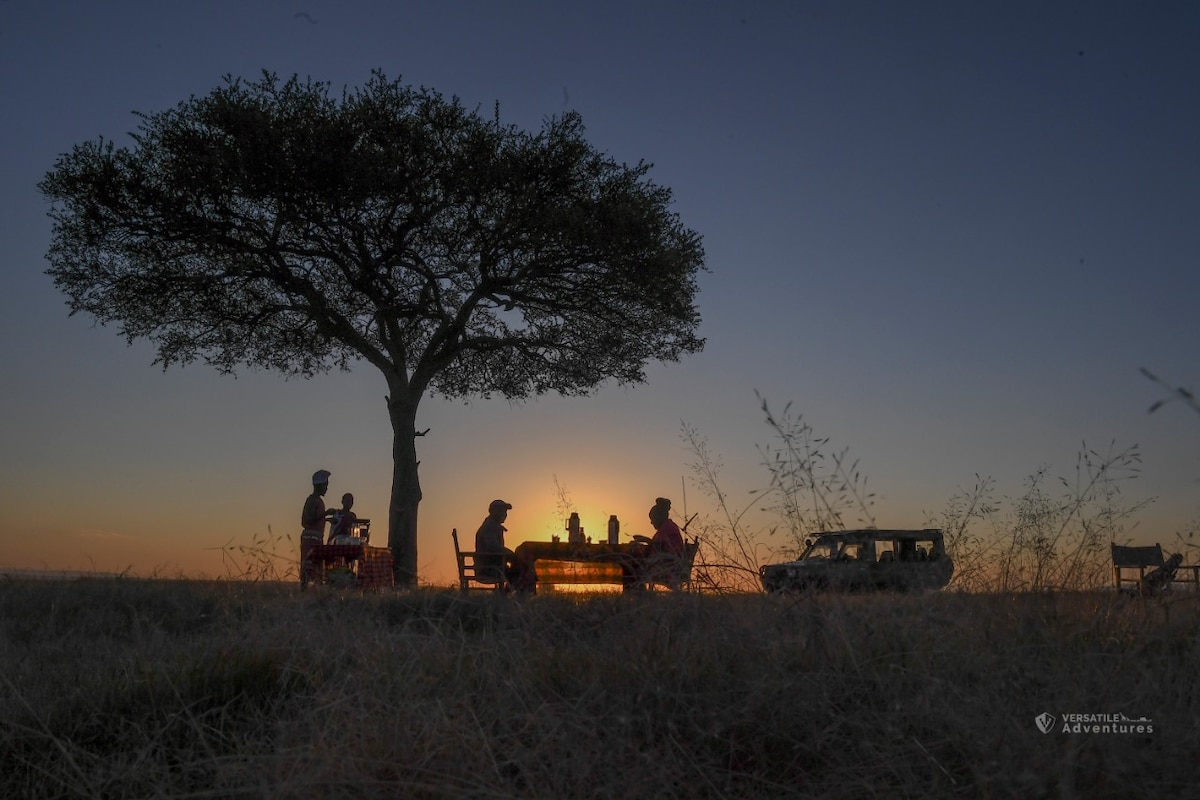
point(822, 549)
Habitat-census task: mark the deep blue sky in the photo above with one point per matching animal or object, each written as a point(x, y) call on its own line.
point(948, 233)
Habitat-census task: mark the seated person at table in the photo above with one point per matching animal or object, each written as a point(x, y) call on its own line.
point(344, 519)
point(666, 548)
point(667, 538)
point(492, 558)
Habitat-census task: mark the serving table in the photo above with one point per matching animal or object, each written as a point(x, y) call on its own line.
point(370, 566)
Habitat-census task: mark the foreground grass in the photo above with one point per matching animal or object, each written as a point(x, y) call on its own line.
point(131, 688)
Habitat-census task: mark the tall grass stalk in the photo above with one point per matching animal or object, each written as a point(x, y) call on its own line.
point(814, 489)
point(268, 557)
point(1055, 535)
point(1061, 541)
point(974, 552)
point(731, 553)
point(809, 489)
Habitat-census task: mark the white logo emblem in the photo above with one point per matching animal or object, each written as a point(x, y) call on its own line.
point(1045, 722)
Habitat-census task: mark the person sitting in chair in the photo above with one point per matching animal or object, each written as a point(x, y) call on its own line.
point(667, 538)
point(492, 559)
point(1158, 580)
point(345, 519)
point(666, 548)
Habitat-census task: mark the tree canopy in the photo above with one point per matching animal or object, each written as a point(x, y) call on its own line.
point(270, 224)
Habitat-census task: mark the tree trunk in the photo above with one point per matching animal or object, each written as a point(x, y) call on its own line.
point(406, 488)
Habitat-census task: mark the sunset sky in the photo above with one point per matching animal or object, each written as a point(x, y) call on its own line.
point(948, 233)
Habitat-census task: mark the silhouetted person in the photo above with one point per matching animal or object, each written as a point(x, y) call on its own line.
point(1158, 580)
point(663, 560)
point(490, 552)
point(667, 537)
point(492, 559)
point(346, 519)
point(312, 522)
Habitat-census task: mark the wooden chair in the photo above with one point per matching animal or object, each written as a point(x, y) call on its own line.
point(473, 576)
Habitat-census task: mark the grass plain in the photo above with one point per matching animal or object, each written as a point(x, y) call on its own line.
point(170, 688)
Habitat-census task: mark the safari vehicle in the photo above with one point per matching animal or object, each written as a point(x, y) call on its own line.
point(865, 560)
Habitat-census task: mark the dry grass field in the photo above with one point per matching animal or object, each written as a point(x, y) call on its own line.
point(143, 688)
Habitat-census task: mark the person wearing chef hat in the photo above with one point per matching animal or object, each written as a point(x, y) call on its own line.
point(312, 522)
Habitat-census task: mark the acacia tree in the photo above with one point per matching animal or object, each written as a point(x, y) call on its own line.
point(271, 225)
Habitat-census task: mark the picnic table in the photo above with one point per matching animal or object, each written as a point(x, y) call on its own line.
point(628, 565)
point(371, 567)
point(583, 563)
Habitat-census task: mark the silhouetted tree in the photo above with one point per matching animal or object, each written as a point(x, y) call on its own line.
point(270, 225)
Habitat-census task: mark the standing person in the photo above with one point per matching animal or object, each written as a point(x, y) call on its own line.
point(312, 522)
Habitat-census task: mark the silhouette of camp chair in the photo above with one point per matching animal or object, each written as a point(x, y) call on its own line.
point(1142, 570)
point(674, 572)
